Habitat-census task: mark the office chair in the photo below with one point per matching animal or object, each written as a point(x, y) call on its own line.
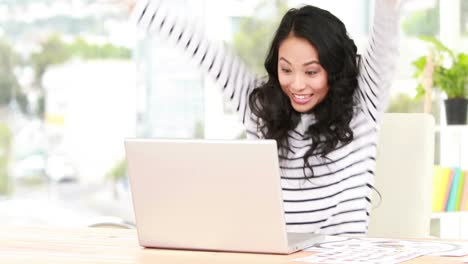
point(405, 161)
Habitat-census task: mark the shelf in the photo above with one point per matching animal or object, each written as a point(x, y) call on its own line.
point(452, 142)
point(445, 214)
point(453, 146)
point(450, 225)
point(450, 128)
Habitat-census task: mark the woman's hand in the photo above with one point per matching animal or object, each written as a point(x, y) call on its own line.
point(126, 4)
point(395, 4)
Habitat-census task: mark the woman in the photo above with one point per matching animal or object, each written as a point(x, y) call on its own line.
point(321, 102)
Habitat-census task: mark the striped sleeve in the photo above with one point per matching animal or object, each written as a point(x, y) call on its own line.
point(378, 63)
point(228, 71)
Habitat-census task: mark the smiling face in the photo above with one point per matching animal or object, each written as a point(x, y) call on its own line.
point(300, 74)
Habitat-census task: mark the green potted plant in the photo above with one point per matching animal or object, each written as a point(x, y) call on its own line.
point(450, 75)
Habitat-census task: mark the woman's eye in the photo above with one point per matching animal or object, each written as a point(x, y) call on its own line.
point(311, 72)
point(285, 70)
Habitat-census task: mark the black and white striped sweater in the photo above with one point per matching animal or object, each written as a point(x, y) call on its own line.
point(336, 200)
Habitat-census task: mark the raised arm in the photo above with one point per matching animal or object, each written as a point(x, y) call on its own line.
point(378, 63)
point(228, 71)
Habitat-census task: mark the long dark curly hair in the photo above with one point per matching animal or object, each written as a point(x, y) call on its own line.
point(338, 56)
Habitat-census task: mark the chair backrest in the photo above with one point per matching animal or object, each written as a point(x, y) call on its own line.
point(405, 161)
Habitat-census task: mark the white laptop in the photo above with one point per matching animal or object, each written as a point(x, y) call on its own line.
point(216, 195)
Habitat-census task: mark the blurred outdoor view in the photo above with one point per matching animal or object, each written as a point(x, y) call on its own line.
point(76, 78)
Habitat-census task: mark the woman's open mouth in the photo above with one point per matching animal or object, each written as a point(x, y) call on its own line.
point(301, 98)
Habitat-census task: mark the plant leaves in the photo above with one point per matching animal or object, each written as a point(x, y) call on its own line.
point(438, 45)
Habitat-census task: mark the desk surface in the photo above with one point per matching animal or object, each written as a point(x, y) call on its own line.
point(101, 245)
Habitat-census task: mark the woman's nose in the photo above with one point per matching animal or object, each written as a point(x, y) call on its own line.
point(298, 83)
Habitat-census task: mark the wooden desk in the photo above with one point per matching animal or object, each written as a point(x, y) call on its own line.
point(100, 245)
